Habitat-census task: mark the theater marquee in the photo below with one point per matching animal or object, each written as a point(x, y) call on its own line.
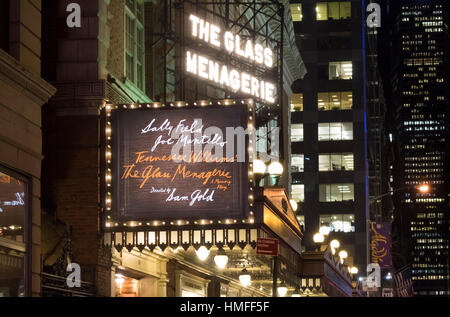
point(175, 164)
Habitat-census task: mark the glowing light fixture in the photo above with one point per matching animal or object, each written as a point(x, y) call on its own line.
point(425, 188)
point(259, 167)
point(221, 259)
point(282, 290)
point(275, 168)
point(202, 253)
point(354, 270)
point(245, 278)
point(324, 230)
point(318, 238)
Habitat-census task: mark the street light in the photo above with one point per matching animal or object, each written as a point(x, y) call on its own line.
point(354, 270)
point(324, 230)
point(318, 238)
point(202, 253)
point(245, 278)
point(334, 244)
point(221, 259)
point(343, 255)
point(282, 290)
point(275, 170)
point(425, 188)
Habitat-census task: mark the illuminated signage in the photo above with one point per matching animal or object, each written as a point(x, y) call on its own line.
point(174, 163)
point(225, 75)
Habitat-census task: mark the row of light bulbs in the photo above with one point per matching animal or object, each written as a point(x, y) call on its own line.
point(319, 238)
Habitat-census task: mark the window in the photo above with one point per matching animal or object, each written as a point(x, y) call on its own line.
point(296, 11)
point(333, 10)
point(336, 162)
point(13, 212)
point(297, 102)
point(340, 70)
point(336, 192)
point(335, 101)
point(297, 132)
point(335, 131)
point(297, 163)
point(298, 192)
point(134, 49)
point(338, 223)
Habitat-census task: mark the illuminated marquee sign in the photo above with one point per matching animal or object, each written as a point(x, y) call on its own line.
point(213, 71)
point(168, 164)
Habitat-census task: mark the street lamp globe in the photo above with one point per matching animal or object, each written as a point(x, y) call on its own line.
point(202, 253)
point(259, 167)
point(343, 255)
point(221, 259)
point(324, 230)
point(245, 278)
point(275, 168)
point(334, 244)
point(282, 290)
point(354, 270)
point(318, 238)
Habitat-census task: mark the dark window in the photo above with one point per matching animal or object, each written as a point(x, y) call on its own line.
point(4, 25)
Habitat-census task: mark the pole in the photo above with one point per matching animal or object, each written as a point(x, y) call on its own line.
point(275, 276)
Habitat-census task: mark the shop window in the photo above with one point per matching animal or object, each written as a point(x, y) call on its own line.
point(338, 223)
point(297, 132)
point(335, 131)
point(298, 192)
point(297, 163)
point(334, 101)
point(336, 192)
point(134, 48)
point(333, 10)
point(297, 102)
point(340, 70)
point(336, 162)
point(13, 247)
point(296, 11)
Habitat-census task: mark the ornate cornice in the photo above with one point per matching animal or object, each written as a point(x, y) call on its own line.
point(30, 84)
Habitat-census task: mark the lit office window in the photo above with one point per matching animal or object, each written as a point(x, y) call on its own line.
point(338, 223)
point(297, 163)
point(296, 11)
point(335, 131)
point(336, 162)
point(335, 101)
point(297, 132)
point(340, 70)
point(134, 49)
point(298, 192)
point(297, 102)
point(336, 192)
point(333, 10)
